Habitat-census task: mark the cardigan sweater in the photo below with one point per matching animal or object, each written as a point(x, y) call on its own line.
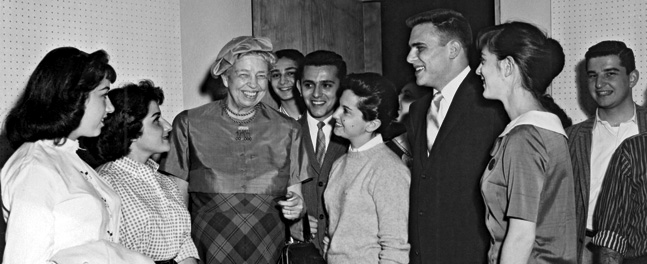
point(367, 199)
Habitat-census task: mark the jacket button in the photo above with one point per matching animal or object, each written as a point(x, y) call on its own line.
point(420, 212)
point(321, 216)
point(424, 176)
point(321, 184)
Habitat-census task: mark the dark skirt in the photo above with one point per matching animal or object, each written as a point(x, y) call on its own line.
point(236, 228)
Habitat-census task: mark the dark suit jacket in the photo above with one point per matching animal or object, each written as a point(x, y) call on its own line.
point(579, 144)
point(313, 189)
point(447, 212)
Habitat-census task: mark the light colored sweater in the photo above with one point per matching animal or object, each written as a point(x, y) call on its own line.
point(367, 199)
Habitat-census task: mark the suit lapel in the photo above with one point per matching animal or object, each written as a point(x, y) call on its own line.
point(586, 138)
point(335, 148)
point(305, 139)
point(641, 118)
point(420, 127)
point(455, 112)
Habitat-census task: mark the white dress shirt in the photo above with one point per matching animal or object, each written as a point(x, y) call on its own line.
point(312, 126)
point(448, 93)
point(604, 142)
point(57, 208)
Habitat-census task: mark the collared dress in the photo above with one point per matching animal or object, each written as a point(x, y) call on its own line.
point(57, 208)
point(235, 172)
point(154, 219)
point(530, 177)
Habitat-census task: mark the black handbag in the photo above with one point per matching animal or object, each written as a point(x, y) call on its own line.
point(297, 252)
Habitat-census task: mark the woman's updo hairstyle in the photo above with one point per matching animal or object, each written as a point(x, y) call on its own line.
point(539, 58)
point(378, 98)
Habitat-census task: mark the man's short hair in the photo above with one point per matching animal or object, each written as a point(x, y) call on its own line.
point(613, 47)
point(449, 23)
point(324, 58)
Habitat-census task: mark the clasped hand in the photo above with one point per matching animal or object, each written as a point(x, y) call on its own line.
point(292, 206)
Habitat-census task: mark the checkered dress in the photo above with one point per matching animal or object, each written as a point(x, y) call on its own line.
point(154, 220)
point(237, 228)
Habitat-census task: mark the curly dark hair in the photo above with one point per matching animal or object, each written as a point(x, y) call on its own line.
point(613, 47)
point(53, 103)
point(131, 102)
point(378, 98)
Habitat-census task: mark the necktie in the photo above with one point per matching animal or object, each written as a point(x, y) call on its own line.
point(433, 122)
point(321, 143)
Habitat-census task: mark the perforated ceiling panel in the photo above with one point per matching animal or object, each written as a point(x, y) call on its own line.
point(579, 24)
point(142, 38)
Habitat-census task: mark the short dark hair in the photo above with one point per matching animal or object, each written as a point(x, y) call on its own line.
point(539, 58)
point(378, 97)
point(325, 58)
point(53, 103)
point(131, 102)
point(613, 47)
point(291, 54)
point(449, 23)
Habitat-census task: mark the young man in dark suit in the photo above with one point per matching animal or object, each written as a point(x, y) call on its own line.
point(319, 81)
point(611, 74)
point(451, 132)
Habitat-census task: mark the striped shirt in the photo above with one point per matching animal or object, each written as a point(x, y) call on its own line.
point(621, 213)
point(154, 219)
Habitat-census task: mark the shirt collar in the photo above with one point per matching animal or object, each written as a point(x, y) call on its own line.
point(598, 120)
point(545, 120)
point(70, 145)
point(312, 122)
point(149, 165)
point(368, 145)
point(450, 89)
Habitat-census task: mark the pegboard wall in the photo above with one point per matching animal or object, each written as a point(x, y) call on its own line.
point(579, 24)
point(142, 38)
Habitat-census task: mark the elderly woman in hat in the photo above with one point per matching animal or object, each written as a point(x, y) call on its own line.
point(241, 160)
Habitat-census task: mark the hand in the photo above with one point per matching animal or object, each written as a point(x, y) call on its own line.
point(292, 207)
point(296, 229)
point(326, 242)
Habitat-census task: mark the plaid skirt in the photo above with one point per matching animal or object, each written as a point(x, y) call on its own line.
point(236, 228)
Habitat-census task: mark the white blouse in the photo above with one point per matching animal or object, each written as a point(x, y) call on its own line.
point(52, 200)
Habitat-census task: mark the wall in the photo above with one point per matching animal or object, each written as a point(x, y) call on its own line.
point(336, 25)
point(533, 11)
point(142, 38)
point(206, 27)
point(577, 25)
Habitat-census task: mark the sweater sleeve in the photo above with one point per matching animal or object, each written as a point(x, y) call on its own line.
point(391, 196)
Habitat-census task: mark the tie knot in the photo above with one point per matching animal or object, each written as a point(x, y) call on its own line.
point(321, 124)
point(438, 96)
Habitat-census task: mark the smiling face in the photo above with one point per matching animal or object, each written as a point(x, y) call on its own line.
point(609, 83)
point(349, 121)
point(97, 106)
point(154, 137)
point(282, 77)
point(428, 56)
point(247, 83)
point(319, 87)
point(490, 72)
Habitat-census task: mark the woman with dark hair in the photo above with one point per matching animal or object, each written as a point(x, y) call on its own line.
point(241, 160)
point(367, 196)
point(56, 207)
point(283, 78)
point(528, 185)
point(154, 219)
